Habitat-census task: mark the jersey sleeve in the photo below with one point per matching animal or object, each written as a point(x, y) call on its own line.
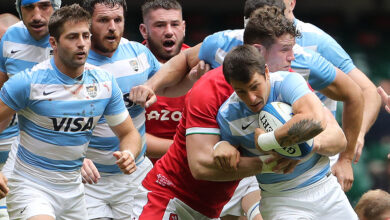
point(293, 87)
point(203, 102)
point(321, 72)
point(223, 123)
point(116, 104)
point(201, 115)
point(15, 92)
point(215, 47)
point(332, 51)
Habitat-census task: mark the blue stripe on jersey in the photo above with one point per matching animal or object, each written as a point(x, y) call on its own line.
point(104, 143)
point(316, 39)
point(3, 156)
point(18, 66)
point(10, 132)
point(132, 64)
point(268, 178)
point(46, 163)
point(3, 207)
point(58, 137)
point(315, 178)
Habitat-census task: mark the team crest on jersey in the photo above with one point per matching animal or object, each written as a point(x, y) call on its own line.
point(92, 91)
point(134, 65)
point(173, 216)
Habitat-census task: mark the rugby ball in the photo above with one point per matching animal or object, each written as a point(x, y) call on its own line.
point(273, 116)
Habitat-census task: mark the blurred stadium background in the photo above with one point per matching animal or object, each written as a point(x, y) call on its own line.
point(360, 26)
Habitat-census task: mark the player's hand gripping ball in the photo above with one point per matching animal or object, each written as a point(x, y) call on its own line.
point(274, 115)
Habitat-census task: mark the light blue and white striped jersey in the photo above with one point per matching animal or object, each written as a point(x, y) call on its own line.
point(132, 64)
point(234, 117)
point(312, 66)
point(317, 40)
point(19, 51)
point(56, 117)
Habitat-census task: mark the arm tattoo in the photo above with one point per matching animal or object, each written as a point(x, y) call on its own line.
point(301, 131)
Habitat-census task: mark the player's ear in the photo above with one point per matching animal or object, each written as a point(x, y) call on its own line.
point(266, 72)
point(292, 4)
point(261, 49)
point(53, 42)
point(143, 30)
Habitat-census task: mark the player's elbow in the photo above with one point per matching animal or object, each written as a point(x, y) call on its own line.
point(198, 171)
point(319, 122)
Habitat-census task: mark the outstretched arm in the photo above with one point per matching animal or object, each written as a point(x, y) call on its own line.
point(343, 88)
point(172, 73)
point(372, 103)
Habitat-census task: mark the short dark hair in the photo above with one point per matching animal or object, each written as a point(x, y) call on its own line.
point(373, 203)
point(241, 63)
point(266, 24)
point(252, 5)
point(89, 5)
point(157, 4)
point(73, 13)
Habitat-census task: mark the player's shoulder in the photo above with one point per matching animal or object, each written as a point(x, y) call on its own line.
point(15, 32)
point(230, 104)
point(304, 27)
point(279, 75)
point(225, 35)
point(132, 44)
point(37, 73)
point(301, 51)
point(132, 49)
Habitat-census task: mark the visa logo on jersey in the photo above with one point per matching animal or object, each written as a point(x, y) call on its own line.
point(73, 124)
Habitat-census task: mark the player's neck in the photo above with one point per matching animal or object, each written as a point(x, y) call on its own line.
point(72, 72)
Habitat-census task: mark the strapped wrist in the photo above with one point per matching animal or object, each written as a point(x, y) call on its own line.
point(267, 141)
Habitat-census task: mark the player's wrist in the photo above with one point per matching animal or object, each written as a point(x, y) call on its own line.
point(253, 211)
point(218, 144)
point(267, 141)
point(130, 154)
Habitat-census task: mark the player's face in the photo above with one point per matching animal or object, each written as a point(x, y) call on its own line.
point(254, 93)
point(107, 28)
point(280, 54)
point(36, 18)
point(164, 32)
point(73, 44)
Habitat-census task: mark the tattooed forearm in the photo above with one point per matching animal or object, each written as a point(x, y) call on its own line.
point(301, 131)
